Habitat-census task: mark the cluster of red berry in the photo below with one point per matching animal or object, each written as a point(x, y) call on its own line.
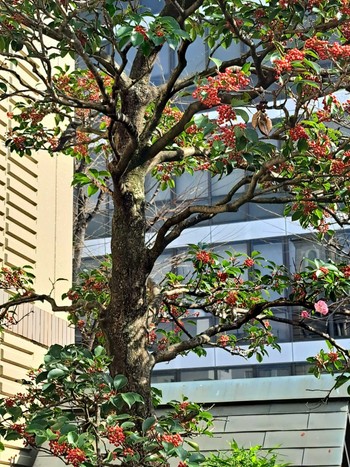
point(228, 80)
point(76, 456)
point(204, 257)
point(115, 435)
point(298, 132)
point(176, 439)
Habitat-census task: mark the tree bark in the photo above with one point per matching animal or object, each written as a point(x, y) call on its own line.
point(125, 321)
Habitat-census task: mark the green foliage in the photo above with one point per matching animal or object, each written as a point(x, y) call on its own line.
point(74, 404)
point(240, 457)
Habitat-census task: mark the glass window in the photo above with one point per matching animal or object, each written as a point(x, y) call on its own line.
point(198, 56)
point(265, 211)
point(192, 186)
point(197, 375)
point(162, 266)
point(282, 331)
point(184, 268)
point(99, 226)
point(265, 371)
point(162, 66)
point(153, 191)
point(202, 324)
point(341, 326)
point(272, 251)
point(221, 186)
point(235, 373)
point(306, 248)
point(226, 217)
point(234, 247)
point(301, 368)
point(163, 377)
point(154, 5)
point(91, 263)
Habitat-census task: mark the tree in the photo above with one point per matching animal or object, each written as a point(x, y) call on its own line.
point(294, 60)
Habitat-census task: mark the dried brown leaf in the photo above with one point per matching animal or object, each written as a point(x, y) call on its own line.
point(264, 124)
point(255, 119)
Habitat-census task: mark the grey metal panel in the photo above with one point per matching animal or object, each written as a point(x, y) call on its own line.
point(245, 409)
point(309, 406)
point(292, 456)
point(323, 456)
point(271, 422)
point(327, 420)
point(44, 460)
point(303, 439)
point(249, 390)
point(26, 457)
point(223, 440)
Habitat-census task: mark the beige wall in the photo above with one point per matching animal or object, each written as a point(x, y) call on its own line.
point(17, 356)
point(36, 230)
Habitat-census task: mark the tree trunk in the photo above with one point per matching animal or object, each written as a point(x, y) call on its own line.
point(125, 321)
point(79, 229)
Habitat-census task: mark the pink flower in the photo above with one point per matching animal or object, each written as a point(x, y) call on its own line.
point(223, 340)
point(305, 314)
point(321, 307)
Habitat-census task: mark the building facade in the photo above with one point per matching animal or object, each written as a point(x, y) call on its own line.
point(35, 230)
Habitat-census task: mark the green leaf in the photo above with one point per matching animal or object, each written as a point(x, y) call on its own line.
point(119, 382)
point(217, 61)
point(92, 189)
point(2, 447)
point(38, 424)
point(181, 453)
point(243, 114)
point(72, 437)
point(4, 43)
point(16, 46)
point(12, 436)
point(302, 145)
point(246, 68)
point(130, 398)
point(315, 66)
point(193, 445)
point(196, 457)
point(71, 429)
point(136, 38)
point(55, 373)
point(238, 102)
point(146, 424)
point(251, 135)
point(40, 439)
point(108, 379)
point(126, 425)
point(99, 350)
point(15, 412)
point(124, 31)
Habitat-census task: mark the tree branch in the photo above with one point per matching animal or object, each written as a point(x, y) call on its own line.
point(5, 307)
point(183, 220)
point(204, 338)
